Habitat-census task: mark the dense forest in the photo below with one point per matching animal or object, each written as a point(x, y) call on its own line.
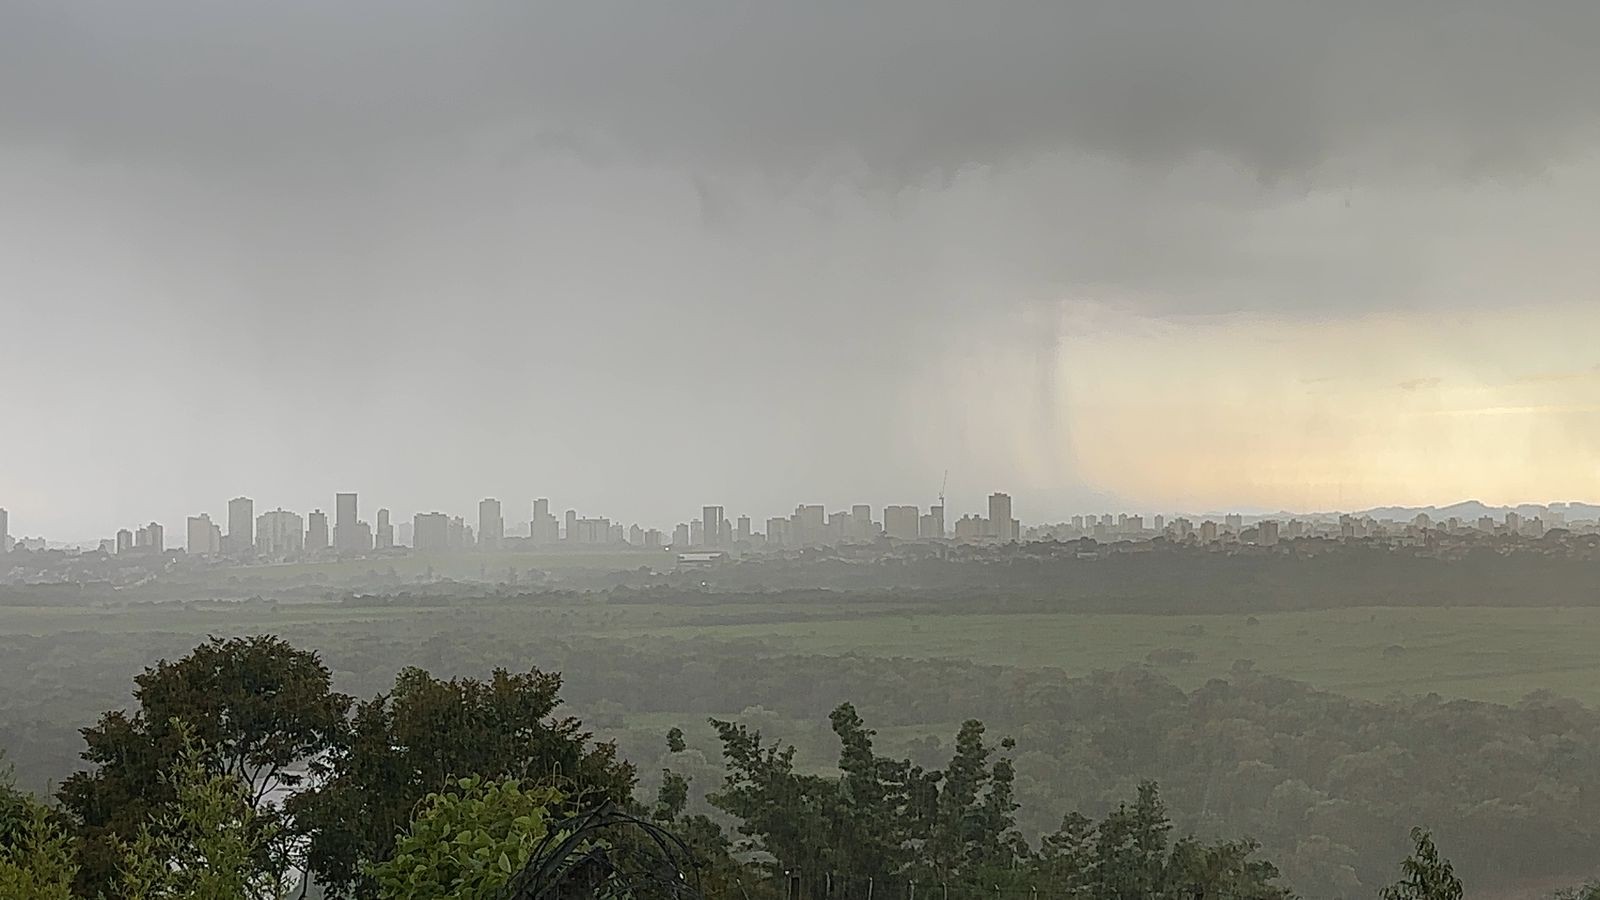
point(1327, 784)
point(445, 787)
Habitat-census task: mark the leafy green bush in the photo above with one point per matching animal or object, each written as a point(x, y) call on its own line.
point(466, 843)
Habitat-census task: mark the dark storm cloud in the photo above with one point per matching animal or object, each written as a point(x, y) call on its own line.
point(906, 86)
point(779, 249)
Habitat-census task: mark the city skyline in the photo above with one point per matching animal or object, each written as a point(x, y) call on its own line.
point(905, 521)
point(1201, 258)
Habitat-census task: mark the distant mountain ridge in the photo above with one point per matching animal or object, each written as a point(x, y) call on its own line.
point(1466, 511)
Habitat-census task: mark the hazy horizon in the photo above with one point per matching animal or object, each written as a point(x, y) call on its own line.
point(1142, 256)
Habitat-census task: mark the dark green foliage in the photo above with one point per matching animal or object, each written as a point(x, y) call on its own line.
point(888, 822)
point(467, 842)
point(411, 742)
point(259, 705)
point(1424, 875)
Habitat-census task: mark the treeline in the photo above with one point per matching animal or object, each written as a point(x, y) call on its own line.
point(240, 763)
point(1326, 783)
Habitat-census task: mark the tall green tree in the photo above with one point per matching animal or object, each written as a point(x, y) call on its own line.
point(427, 732)
point(1425, 874)
point(208, 843)
point(259, 706)
point(36, 854)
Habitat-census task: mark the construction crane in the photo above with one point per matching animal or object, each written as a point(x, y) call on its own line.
point(942, 485)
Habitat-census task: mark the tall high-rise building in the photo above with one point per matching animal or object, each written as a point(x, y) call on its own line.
point(241, 525)
point(345, 517)
point(202, 537)
point(711, 525)
point(1233, 523)
point(807, 525)
point(280, 533)
point(491, 525)
point(317, 531)
point(543, 528)
point(403, 535)
point(697, 533)
point(572, 525)
point(5, 531)
point(1000, 518)
point(777, 531)
point(430, 531)
point(902, 522)
point(742, 533)
point(680, 536)
point(1208, 532)
point(158, 537)
point(383, 538)
point(933, 523)
point(636, 535)
point(124, 541)
point(1267, 533)
point(861, 520)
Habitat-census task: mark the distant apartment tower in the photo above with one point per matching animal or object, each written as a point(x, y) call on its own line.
point(1000, 522)
point(241, 525)
point(742, 532)
point(1233, 523)
point(317, 531)
point(636, 535)
point(902, 523)
point(591, 531)
point(1208, 532)
point(1267, 533)
point(156, 540)
point(430, 531)
point(861, 522)
point(543, 528)
point(383, 538)
point(280, 533)
point(711, 519)
point(403, 534)
point(124, 541)
point(491, 524)
point(697, 533)
point(202, 537)
point(807, 525)
point(931, 525)
point(972, 528)
point(777, 531)
point(680, 536)
point(5, 531)
point(345, 516)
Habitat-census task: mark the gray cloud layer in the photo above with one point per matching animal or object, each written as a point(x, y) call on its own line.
point(905, 85)
point(433, 250)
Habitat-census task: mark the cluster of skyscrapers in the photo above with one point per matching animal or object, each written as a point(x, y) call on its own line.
point(282, 534)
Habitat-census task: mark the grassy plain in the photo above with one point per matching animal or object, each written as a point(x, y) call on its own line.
point(1484, 653)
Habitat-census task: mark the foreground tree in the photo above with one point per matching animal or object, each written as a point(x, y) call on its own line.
point(418, 739)
point(257, 704)
point(1425, 875)
point(467, 842)
point(36, 854)
point(208, 843)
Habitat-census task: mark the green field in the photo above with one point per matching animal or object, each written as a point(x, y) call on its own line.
point(1495, 654)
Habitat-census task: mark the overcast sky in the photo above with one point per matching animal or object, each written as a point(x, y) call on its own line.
point(641, 256)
